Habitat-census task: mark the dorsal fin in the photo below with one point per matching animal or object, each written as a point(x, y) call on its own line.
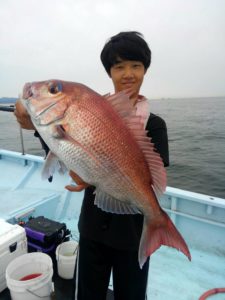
point(122, 104)
point(156, 166)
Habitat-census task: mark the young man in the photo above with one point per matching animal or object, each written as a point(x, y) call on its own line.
point(110, 242)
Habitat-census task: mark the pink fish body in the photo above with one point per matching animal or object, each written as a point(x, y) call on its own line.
point(103, 141)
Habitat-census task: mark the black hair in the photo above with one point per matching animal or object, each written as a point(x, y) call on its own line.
point(129, 45)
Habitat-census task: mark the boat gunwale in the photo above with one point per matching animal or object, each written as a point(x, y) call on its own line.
point(170, 191)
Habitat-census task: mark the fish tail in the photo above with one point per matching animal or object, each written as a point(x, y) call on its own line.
point(160, 231)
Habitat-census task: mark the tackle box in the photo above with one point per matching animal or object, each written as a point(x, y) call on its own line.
point(13, 243)
point(44, 235)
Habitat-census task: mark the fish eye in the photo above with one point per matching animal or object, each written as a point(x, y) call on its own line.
point(55, 88)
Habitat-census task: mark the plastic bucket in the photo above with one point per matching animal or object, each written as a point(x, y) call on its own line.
point(29, 277)
point(66, 256)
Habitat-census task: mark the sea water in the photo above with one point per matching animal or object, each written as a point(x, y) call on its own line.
point(196, 132)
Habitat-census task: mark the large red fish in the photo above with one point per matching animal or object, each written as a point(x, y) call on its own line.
point(103, 141)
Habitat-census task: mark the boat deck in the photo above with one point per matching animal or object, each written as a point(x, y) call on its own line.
point(201, 220)
point(171, 275)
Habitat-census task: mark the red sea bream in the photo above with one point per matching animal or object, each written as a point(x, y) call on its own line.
point(104, 143)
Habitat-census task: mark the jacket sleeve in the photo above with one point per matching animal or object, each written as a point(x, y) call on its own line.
point(43, 144)
point(157, 131)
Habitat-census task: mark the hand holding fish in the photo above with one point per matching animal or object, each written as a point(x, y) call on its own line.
point(22, 116)
point(80, 184)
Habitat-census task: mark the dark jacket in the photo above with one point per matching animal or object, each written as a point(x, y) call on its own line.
point(120, 231)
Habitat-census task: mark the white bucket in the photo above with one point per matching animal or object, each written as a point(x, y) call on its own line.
point(37, 265)
point(66, 256)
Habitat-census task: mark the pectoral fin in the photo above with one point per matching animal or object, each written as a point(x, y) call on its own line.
point(52, 165)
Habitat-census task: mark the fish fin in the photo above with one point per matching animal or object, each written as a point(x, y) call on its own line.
point(157, 169)
point(157, 232)
point(122, 104)
point(59, 131)
point(154, 161)
point(52, 164)
point(110, 204)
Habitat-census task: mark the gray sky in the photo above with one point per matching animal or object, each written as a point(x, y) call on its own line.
point(45, 39)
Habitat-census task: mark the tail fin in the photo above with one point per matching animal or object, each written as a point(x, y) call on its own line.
point(157, 232)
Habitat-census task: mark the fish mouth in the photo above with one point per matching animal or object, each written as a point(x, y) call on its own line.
point(42, 109)
point(37, 113)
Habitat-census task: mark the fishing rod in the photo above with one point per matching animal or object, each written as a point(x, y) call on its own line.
point(11, 108)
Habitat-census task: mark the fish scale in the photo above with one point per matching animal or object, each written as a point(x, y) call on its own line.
point(102, 146)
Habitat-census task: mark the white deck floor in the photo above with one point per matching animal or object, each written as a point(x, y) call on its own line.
point(173, 277)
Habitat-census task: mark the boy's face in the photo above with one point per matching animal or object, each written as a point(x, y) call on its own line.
point(128, 74)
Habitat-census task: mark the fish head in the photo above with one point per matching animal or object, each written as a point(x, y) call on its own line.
point(47, 101)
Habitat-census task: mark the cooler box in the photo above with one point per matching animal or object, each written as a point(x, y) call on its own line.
point(13, 243)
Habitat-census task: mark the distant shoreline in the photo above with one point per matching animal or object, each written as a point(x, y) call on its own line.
point(7, 100)
point(186, 98)
point(12, 100)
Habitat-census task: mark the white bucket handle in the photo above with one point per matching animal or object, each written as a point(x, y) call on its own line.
point(33, 294)
point(74, 252)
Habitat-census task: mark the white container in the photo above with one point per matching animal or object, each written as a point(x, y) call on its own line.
point(30, 264)
point(13, 243)
point(66, 254)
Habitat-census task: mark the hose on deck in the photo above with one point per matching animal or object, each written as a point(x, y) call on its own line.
point(212, 292)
